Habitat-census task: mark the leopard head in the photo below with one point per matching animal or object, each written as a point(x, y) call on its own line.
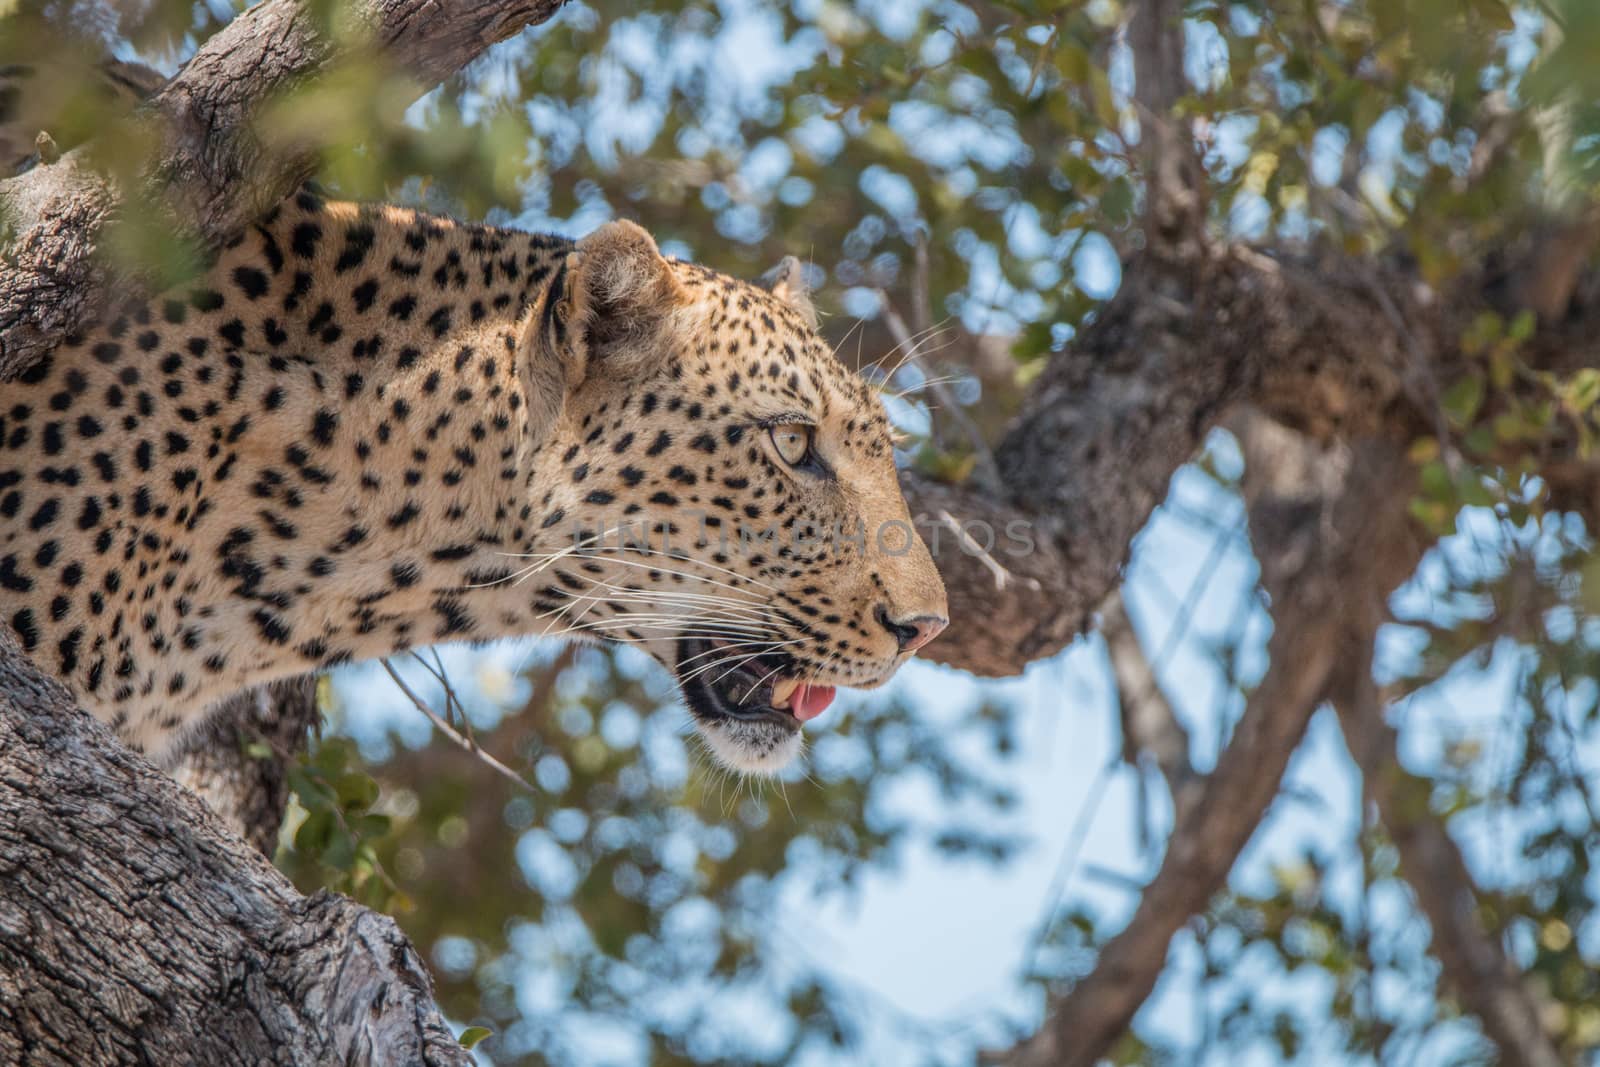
point(718, 489)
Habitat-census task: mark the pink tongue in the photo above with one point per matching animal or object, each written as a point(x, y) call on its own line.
point(809, 701)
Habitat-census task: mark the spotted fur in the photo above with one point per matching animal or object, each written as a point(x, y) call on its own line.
point(367, 429)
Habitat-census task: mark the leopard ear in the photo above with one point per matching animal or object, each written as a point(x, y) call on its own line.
point(619, 296)
point(606, 313)
point(787, 282)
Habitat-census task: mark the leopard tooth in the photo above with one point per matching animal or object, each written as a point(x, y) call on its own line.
point(782, 689)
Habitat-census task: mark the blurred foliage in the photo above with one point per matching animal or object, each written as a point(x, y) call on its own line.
point(975, 166)
point(637, 887)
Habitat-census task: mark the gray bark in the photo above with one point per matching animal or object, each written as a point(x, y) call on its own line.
point(135, 928)
point(1332, 532)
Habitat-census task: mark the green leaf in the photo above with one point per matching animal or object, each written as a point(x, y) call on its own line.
point(1522, 326)
point(1462, 401)
point(473, 1034)
point(1581, 390)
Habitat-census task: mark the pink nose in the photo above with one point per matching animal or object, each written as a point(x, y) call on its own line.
point(914, 632)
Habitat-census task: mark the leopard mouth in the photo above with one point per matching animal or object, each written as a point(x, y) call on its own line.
point(724, 685)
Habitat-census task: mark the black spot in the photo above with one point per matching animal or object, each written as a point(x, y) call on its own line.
point(67, 647)
point(252, 282)
point(27, 629)
point(272, 627)
point(205, 299)
point(304, 239)
point(11, 578)
point(357, 243)
point(439, 321)
point(45, 515)
point(404, 515)
point(323, 426)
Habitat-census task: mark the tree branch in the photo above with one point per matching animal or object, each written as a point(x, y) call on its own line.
point(1149, 725)
point(1474, 960)
point(1174, 181)
point(1331, 549)
point(209, 167)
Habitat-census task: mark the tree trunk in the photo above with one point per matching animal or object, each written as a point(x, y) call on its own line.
point(135, 928)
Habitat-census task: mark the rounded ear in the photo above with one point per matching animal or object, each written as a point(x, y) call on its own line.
point(619, 294)
point(787, 282)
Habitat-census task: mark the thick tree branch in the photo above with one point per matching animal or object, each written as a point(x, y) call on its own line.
point(1174, 185)
point(1129, 401)
point(1474, 960)
point(209, 167)
point(134, 928)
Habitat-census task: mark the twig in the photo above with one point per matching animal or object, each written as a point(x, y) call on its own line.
point(986, 472)
point(449, 731)
point(1148, 721)
point(1002, 577)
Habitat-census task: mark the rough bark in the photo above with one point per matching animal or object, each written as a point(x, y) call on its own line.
point(135, 928)
point(1113, 416)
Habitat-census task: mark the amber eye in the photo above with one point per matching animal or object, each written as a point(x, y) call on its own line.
point(793, 442)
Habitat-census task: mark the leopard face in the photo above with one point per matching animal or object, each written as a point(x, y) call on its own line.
point(367, 429)
point(735, 508)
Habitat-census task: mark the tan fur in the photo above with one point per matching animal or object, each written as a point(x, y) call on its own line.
point(368, 429)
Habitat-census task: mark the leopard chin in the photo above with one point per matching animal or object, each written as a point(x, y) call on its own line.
point(751, 747)
point(748, 708)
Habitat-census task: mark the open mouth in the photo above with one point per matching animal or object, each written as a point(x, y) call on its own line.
point(724, 681)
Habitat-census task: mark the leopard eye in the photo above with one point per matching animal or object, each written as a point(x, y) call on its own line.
point(793, 442)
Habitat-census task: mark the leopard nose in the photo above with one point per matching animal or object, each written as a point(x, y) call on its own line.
point(914, 632)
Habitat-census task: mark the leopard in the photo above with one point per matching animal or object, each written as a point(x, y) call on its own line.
point(365, 429)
